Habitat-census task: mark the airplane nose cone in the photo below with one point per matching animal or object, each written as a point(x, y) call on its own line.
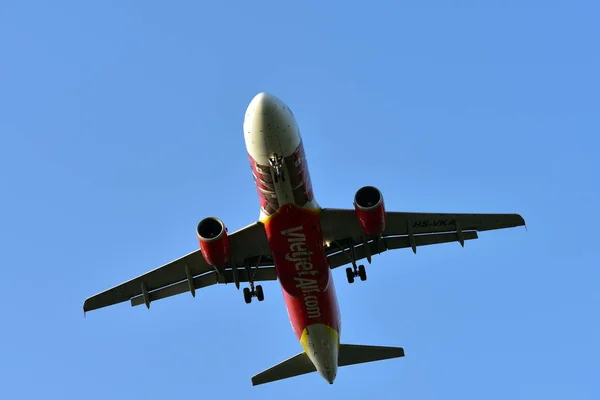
point(269, 128)
point(264, 104)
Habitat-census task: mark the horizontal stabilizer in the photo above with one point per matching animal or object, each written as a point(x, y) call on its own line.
point(298, 365)
point(357, 354)
point(349, 354)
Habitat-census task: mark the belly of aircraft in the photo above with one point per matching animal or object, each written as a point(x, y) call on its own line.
point(296, 242)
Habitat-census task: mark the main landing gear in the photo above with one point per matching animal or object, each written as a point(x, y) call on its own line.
point(353, 272)
point(253, 291)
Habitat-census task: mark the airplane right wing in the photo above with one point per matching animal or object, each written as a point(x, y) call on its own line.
point(250, 258)
point(342, 231)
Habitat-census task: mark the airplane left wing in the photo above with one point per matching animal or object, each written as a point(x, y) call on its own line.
point(341, 229)
point(250, 258)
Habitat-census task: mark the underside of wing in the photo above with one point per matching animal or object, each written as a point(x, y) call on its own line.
point(347, 240)
point(250, 257)
point(341, 252)
point(168, 274)
point(209, 279)
point(401, 223)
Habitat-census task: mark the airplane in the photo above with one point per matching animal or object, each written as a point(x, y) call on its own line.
point(298, 243)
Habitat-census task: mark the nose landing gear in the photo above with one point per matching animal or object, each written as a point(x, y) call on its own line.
point(277, 165)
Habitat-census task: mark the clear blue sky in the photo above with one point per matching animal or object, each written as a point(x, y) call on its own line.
point(120, 128)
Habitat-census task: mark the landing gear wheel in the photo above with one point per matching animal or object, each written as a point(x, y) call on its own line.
point(247, 295)
point(259, 293)
point(350, 275)
point(362, 273)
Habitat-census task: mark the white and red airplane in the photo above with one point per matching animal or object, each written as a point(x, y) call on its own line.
point(298, 243)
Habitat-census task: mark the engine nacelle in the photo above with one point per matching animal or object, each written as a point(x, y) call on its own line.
point(370, 210)
point(214, 242)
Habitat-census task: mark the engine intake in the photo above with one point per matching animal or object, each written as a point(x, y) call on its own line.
point(214, 242)
point(370, 210)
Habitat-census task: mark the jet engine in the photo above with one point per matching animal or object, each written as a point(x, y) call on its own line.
point(370, 210)
point(214, 242)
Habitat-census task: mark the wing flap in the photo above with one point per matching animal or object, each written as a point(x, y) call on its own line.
point(395, 242)
point(212, 278)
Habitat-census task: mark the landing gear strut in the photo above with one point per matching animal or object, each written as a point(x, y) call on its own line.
point(253, 291)
point(355, 271)
point(277, 165)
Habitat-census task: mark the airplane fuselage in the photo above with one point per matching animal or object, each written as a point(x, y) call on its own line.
point(290, 215)
point(288, 244)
